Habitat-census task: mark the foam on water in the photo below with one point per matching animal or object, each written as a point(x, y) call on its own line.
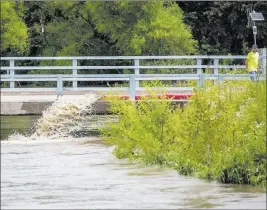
point(60, 120)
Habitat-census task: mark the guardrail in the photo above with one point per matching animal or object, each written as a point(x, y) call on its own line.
point(133, 78)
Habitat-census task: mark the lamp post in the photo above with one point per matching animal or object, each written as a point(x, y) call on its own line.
point(255, 16)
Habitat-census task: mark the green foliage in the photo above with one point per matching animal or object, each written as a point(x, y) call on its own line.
point(219, 135)
point(226, 123)
point(143, 28)
point(127, 27)
point(220, 27)
point(68, 30)
point(154, 114)
point(14, 36)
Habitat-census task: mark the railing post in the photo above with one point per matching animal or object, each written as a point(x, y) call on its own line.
point(59, 85)
point(132, 87)
point(216, 68)
point(12, 73)
point(74, 72)
point(199, 71)
point(201, 80)
point(263, 61)
point(220, 78)
point(136, 70)
point(216, 64)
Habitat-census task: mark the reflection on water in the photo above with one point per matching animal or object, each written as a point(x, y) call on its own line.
point(22, 124)
point(84, 174)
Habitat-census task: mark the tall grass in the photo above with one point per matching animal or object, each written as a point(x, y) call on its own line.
point(219, 135)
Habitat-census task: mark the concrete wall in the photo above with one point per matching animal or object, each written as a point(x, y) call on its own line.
point(23, 108)
point(36, 108)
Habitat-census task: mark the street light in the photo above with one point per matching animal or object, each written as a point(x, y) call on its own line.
point(255, 16)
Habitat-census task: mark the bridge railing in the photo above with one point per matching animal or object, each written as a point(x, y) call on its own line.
point(10, 72)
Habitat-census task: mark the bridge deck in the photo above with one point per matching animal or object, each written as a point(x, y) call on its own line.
point(28, 103)
point(77, 92)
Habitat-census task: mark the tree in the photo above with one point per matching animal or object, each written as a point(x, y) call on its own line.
point(14, 36)
point(143, 28)
point(90, 28)
point(221, 27)
point(68, 30)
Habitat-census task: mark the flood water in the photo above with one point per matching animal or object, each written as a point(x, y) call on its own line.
point(21, 124)
point(83, 173)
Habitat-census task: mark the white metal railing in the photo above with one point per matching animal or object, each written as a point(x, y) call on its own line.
point(133, 79)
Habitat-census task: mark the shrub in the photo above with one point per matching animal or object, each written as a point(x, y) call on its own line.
point(219, 135)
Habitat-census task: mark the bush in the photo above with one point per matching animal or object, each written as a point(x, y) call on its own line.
point(219, 135)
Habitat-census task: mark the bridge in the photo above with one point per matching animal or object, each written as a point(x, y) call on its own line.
point(122, 75)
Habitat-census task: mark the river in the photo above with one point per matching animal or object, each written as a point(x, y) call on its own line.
point(83, 173)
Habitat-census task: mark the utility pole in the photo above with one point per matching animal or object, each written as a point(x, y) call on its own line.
point(255, 16)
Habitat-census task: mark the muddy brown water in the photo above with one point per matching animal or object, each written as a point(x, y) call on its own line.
point(83, 173)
